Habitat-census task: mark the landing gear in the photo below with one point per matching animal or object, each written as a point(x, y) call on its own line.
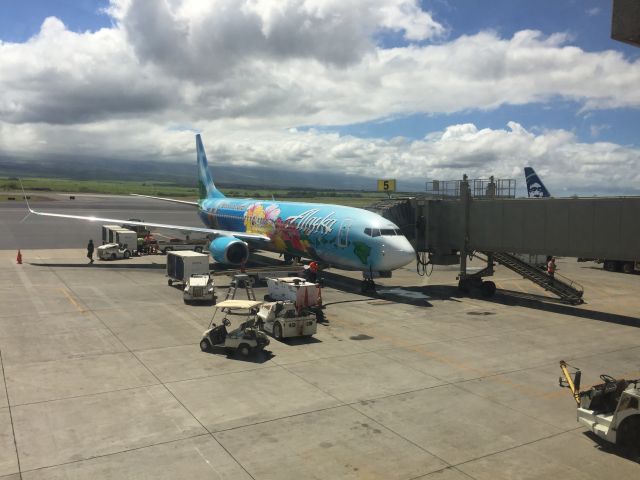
point(487, 288)
point(367, 285)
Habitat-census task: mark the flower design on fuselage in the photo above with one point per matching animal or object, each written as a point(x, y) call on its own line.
point(260, 218)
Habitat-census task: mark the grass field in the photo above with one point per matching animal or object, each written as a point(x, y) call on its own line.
point(42, 186)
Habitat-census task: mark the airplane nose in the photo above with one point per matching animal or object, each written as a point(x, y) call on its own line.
point(396, 254)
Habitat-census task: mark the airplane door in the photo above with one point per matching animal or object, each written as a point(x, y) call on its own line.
point(343, 233)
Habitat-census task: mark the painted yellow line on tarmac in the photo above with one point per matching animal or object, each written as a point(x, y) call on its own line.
point(72, 300)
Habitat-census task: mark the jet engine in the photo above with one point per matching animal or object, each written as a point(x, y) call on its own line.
point(229, 250)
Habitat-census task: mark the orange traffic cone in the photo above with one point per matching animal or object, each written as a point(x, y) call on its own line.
point(19, 258)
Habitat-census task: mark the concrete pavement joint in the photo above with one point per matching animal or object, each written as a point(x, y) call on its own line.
point(13, 430)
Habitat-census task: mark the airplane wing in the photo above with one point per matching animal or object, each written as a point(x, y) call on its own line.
point(173, 200)
point(226, 233)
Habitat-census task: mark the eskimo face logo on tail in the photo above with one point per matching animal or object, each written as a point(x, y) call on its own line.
point(535, 190)
point(308, 222)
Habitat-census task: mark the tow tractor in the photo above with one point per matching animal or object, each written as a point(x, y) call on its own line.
point(610, 409)
point(236, 331)
point(283, 320)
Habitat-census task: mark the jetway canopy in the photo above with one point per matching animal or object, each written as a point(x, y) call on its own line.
point(580, 227)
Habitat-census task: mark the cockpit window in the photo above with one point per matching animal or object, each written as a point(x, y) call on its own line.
point(372, 232)
point(389, 232)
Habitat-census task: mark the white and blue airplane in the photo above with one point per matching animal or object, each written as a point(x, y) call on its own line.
point(346, 238)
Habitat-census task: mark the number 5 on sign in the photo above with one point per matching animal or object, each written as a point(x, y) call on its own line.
point(387, 185)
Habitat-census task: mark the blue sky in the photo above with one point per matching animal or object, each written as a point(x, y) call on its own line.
point(21, 19)
point(588, 22)
point(328, 85)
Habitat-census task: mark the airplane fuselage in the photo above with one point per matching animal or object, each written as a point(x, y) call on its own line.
point(347, 237)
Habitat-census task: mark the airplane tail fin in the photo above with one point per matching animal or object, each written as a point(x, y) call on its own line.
point(206, 187)
point(535, 187)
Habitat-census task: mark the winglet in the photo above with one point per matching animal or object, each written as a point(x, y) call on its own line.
point(24, 195)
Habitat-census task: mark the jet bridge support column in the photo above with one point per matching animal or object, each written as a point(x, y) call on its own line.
point(468, 281)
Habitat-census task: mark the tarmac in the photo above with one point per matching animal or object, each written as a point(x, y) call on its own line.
point(102, 376)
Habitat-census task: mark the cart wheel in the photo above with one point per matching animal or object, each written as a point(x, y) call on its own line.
point(627, 267)
point(277, 332)
point(205, 345)
point(113, 256)
point(629, 434)
point(169, 282)
point(244, 350)
point(463, 286)
point(198, 249)
point(127, 254)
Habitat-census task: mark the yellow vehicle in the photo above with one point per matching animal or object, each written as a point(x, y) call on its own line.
point(610, 409)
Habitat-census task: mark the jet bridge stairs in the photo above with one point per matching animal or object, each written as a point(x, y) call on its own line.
point(568, 290)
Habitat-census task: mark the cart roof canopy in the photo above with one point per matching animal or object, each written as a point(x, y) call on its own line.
point(238, 304)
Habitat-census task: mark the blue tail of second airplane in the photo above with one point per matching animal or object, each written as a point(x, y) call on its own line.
point(206, 187)
point(535, 187)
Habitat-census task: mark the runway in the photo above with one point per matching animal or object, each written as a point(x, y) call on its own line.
point(47, 232)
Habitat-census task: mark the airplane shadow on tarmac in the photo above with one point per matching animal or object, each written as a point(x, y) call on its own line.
point(539, 302)
point(422, 296)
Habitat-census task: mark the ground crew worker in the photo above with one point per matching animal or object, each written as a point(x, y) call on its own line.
point(90, 251)
point(313, 272)
point(551, 267)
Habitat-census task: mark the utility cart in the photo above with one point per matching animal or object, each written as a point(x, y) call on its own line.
point(233, 329)
point(610, 409)
point(282, 320)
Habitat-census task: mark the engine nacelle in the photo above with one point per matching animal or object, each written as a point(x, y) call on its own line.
point(229, 250)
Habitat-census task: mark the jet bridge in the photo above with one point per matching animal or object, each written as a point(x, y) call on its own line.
point(447, 228)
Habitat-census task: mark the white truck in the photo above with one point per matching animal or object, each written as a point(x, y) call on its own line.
point(191, 270)
point(283, 320)
point(611, 410)
point(124, 244)
point(199, 288)
point(306, 296)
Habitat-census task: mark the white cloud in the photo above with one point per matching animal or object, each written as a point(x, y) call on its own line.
point(567, 165)
point(248, 72)
point(592, 12)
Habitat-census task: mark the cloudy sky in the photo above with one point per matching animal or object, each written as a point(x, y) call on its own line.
point(408, 89)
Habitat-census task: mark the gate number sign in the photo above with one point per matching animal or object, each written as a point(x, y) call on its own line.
point(387, 185)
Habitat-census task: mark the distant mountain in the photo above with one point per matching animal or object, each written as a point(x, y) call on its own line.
point(184, 174)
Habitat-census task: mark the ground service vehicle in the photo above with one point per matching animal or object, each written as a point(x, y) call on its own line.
point(178, 244)
point(199, 287)
point(182, 265)
point(282, 320)
point(108, 235)
point(305, 295)
point(610, 409)
point(113, 251)
point(236, 331)
point(124, 244)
